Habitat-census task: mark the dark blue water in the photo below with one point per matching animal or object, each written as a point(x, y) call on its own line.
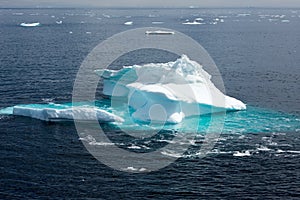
point(257, 55)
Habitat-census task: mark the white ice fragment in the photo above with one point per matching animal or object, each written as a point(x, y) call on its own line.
point(128, 23)
point(157, 22)
point(193, 23)
point(30, 24)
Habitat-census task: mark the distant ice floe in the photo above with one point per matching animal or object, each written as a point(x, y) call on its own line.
point(129, 23)
point(159, 32)
point(197, 21)
point(157, 22)
point(193, 23)
point(30, 24)
point(106, 16)
point(152, 15)
point(17, 13)
point(243, 15)
point(180, 87)
point(59, 22)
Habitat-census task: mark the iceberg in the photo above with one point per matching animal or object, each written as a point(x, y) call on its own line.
point(193, 23)
point(30, 24)
point(167, 92)
point(159, 32)
point(59, 112)
point(129, 23)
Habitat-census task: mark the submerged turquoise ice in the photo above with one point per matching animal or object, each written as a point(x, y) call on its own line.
point(252, 120)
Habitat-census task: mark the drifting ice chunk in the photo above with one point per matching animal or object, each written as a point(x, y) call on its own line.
point(62, 113)
point(128, 23)
point(167, 92)
point(193, 23)
point(30, 24)
point(159, 32)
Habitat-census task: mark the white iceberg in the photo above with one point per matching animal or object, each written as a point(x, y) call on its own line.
point(30, 24)
point(193, 23)
point(129, 23)
point(159, 32)
point(63, 113)
point(167, 92)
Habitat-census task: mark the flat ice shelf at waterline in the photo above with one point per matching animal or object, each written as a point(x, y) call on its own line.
point(167, 92)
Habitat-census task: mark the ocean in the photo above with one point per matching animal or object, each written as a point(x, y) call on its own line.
point(257, 54)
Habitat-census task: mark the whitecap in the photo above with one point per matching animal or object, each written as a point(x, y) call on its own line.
point(294, 152)
point(263, 148)
point(217, 151)
point(92, 141)
point(171, 154)
point(142, 169)
point(134, 147)
point(47, 100)
point(242, 154)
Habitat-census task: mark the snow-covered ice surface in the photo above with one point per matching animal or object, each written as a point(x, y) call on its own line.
point(167, 92)
point(62, 112)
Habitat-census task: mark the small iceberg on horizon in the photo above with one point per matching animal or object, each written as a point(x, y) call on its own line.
point(128, 23)
point(193, 23)
point(159, 32)
point(30, 24)
point(197, 21)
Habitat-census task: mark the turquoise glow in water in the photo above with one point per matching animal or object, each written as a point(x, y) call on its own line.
point(253, 120)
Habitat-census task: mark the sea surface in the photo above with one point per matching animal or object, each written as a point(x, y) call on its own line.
point(257, 52)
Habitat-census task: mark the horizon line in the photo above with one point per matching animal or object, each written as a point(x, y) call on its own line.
point(149, 7)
